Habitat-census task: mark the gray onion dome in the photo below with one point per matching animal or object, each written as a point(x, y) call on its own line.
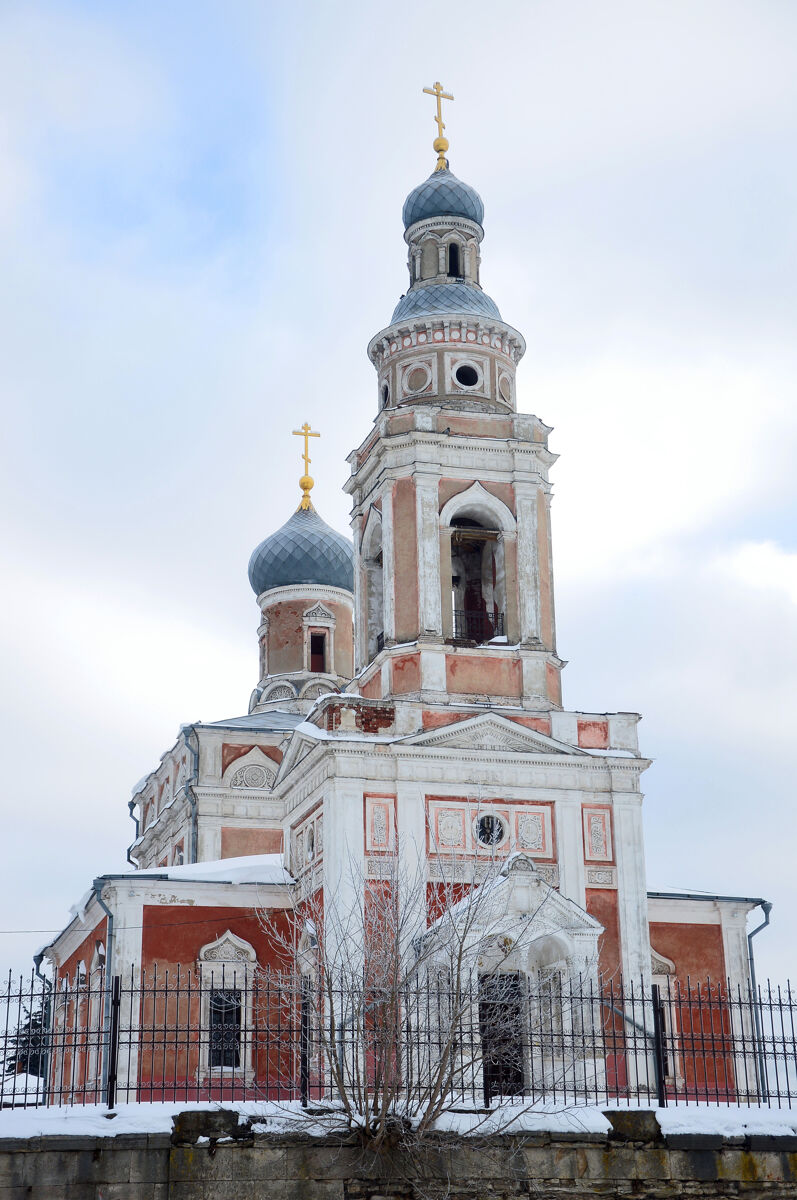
point(443, 195)
point(304, 550)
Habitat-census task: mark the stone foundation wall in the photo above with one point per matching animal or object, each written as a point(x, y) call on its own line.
point(210, 1157)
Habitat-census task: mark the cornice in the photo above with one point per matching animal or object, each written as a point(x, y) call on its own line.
point(305, 591)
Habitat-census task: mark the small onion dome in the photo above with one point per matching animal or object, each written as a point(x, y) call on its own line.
point(304, 550)
point(442, 195)
point(452, 297)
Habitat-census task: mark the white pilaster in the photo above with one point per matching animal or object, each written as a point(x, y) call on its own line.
point(428, 532)
point(388, 566)
point(632, 900)
point(570, 849)
point(527, 561)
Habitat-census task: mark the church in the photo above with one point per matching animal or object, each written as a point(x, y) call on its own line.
point(408, 705)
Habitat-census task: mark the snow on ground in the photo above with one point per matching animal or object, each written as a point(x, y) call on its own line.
point(93, 1120)
point(729, 1122)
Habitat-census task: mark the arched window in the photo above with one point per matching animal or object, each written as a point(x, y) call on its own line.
point(479, 523)
point(227, 969)
point(454, 260)
point(478, 585)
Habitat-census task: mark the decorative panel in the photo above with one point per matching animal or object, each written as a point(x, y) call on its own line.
point(598, 835)
point(462, 826)
point(380, 824)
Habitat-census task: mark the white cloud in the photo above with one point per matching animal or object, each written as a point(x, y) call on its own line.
point(762, 565)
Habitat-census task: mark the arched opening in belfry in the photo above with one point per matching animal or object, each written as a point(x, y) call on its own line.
point(374, 591)
point(454, 260)
point(478, 580)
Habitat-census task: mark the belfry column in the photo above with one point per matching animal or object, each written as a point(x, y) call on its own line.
point(528, 561)
point(430, 618)
point(388, 567)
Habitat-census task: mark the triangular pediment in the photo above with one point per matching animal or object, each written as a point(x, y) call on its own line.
point(318, 612)
point(489, 731)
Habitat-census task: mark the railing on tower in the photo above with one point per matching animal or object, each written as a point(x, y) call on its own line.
point(471, 625)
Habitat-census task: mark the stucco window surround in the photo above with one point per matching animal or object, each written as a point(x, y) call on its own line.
point(479, 591)
point(663, 975)
point(226, 970)
point(319, 619)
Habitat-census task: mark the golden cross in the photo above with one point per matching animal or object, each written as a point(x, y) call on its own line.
point(306, 482)
point(440, 143)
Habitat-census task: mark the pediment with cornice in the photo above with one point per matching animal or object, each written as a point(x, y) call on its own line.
point(492, 732)
point(318, 612)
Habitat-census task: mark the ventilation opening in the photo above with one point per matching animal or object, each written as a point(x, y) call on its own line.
point(454, 261)
point(318, 652)
point(466, 375)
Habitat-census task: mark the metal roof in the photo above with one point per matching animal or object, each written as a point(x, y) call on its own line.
point(454, 297)
point(442, 195)
point(304, 550)
point(264, 722)
point(704, 896)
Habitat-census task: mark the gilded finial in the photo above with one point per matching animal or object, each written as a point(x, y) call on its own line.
point(440, 143)
point(306, 481)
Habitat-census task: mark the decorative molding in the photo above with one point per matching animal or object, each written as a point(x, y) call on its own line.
point(601, 877)
point(319, 612)
point(492, 732)
point(660, 964)
point(253, 776)
point(228, 949)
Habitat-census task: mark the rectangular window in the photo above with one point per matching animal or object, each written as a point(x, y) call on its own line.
point(318, 652)
point(225, 1028)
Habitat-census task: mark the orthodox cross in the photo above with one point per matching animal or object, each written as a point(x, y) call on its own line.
point(440, 143)
point(306, 482)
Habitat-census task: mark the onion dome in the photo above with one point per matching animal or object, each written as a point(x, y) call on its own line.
point(304, 550)
point(443, 195)
point(452, 297)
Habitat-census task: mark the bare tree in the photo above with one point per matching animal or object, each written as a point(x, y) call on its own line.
point(421, 999)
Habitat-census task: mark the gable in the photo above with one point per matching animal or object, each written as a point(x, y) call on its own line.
point(490, 731)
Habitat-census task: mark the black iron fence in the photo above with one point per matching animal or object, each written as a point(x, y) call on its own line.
point(227, 1034)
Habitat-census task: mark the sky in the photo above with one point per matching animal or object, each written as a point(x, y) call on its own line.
point(200, 230)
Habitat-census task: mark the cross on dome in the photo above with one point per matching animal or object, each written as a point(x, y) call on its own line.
point(306, 482)
point(440, 144)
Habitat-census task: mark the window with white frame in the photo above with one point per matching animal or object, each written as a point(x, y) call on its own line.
point(227, 969)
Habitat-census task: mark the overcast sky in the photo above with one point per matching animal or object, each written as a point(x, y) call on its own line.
point(199, 232)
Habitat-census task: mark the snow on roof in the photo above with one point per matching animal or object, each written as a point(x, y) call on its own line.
point(253, 868)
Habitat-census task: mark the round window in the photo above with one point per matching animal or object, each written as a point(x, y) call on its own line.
point(490, 830)
point(417, 378)
point(505, 388)
point(466, 375)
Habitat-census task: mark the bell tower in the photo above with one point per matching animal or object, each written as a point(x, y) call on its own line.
point(451, 498)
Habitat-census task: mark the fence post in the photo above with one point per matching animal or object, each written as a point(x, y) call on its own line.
point(658, 1045)
point(113, 1040)
point(304, 1042)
